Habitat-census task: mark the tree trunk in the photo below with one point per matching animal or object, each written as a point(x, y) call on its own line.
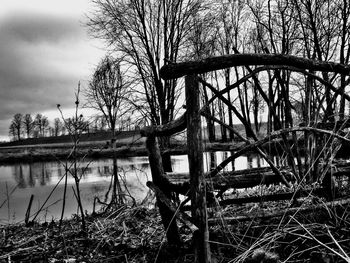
point(117, 190)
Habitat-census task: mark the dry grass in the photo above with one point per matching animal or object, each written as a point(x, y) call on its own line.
point(128, 234)
point(136, 234)
point(311, 235)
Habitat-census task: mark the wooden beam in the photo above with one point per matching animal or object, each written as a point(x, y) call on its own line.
point(246, 178)
point(197, 179)
point(176, 70)
point(168, 129)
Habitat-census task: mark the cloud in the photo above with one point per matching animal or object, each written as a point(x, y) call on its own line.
point(31, 27)
point(42, 60)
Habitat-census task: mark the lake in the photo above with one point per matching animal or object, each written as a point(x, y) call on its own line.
point(20, 181)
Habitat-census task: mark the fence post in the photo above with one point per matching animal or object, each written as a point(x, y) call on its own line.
point(155, 161)
point(197, 179)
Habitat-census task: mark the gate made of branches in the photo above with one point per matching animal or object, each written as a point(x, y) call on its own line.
point(196, 189)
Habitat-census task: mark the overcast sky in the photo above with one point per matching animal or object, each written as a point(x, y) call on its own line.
point(44, 52)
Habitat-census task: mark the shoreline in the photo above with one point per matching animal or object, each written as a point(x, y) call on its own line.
point(127, 147)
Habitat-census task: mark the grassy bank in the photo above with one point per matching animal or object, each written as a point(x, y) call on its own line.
point(93, 145)
point(135, 234)
point(101, 136)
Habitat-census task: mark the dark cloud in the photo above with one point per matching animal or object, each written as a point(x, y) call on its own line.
point(39, 27)
point(41, 61)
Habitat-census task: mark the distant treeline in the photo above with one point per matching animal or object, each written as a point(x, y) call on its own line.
point(28, 127)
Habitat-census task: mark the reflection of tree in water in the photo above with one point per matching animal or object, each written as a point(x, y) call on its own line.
point(60, 171)
point(97, 190)
point(45, 174)
point(130, 172)
point(41, 172)
point(82, 171)
point(31, 179)
point(138, 170)
point(26, 175)
point(107, 170)
point(17, 171)
point(103, 170)
point(87, 170)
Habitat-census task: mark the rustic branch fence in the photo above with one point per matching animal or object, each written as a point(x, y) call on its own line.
point(195, 185)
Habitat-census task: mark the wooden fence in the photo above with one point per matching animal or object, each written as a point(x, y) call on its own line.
point(195, 187)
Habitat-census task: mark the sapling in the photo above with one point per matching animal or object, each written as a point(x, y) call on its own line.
point(74, 126)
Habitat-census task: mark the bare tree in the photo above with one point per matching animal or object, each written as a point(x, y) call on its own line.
point(201, 41)
point(28, 124)
point(45, 125)
point(107, 93)
point(38, 124)
point(230, 18)
point(16, 126)
point(12, 131)
point(149, 34)
point(41, 124)
point(76, 124)
point(99, 123)
point(57, 128)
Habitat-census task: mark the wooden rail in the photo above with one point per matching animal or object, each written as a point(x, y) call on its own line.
point(177, 70)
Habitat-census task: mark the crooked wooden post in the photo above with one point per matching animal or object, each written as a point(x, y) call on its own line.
point(155, 161)
point(197, 179)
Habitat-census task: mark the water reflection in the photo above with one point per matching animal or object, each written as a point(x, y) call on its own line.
point(30, 175)
point(46, 173)
point(253, 160)
point(40, 178)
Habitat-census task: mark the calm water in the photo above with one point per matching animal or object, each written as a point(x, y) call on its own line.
point(20, 181)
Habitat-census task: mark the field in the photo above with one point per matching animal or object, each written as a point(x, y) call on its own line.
point(51, 148)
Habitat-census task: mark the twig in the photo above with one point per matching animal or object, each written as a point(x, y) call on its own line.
point(6, 200)
point(345, 256)
point(338, 245)
point(47, 199)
